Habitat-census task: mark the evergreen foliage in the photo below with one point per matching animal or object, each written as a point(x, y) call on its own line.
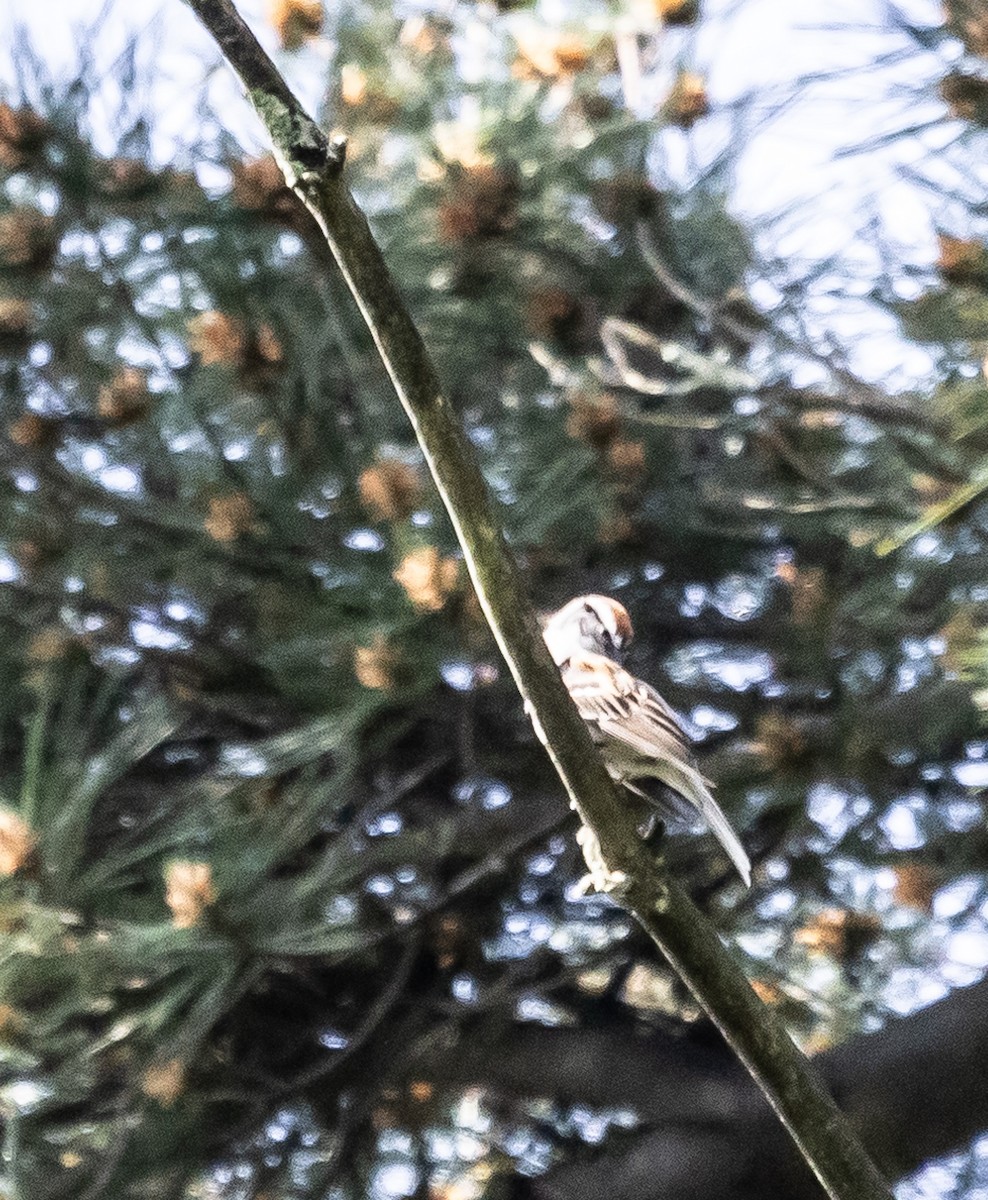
point(279, 850)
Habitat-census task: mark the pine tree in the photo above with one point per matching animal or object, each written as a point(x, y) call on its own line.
point(286, 878)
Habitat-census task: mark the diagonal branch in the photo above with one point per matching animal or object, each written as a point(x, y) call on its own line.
point(313, 169)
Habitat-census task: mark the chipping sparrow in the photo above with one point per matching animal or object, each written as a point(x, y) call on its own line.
point(639, 735)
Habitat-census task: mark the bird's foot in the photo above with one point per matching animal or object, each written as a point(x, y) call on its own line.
point(599, 877)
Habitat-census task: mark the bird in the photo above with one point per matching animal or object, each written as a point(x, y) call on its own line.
point(639, 735)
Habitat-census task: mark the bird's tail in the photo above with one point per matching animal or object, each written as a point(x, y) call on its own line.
point(713, 814)
point(693, 788)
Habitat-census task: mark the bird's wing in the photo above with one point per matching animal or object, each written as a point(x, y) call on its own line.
point(626, 710)
point(623, 707)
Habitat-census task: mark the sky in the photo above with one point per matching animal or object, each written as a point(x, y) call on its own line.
point(792, 165)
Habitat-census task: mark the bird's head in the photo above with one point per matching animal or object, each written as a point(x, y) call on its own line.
point(593, 624)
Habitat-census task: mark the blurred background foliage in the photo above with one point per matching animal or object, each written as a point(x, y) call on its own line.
point(286, 884)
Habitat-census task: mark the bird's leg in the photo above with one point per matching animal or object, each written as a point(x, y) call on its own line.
point(652, 829)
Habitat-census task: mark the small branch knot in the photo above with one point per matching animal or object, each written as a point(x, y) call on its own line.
point(315, 164)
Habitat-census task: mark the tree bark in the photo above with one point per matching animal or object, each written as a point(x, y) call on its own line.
point(914, 1090)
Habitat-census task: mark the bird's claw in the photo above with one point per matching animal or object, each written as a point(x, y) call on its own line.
point(600, 877)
